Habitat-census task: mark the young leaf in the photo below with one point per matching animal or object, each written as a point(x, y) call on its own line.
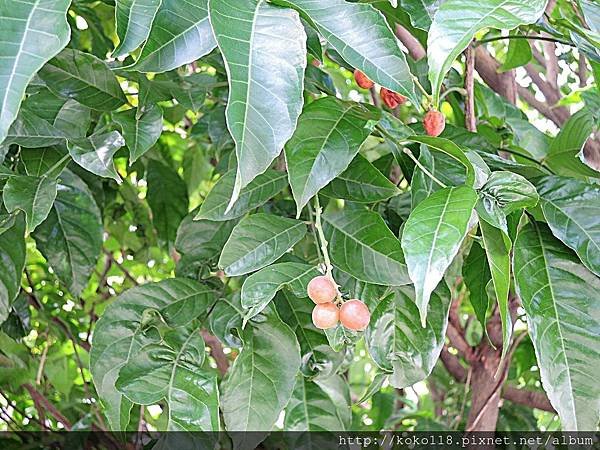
point(361, 244)
point(432, 237)
point(31, 32)
point(452, 29)
point(134, 19)
point(95, 153)
point(265, 79)
point(476, 273)
point(257, 241)
point(140, 131)
point(12, 262)
point(560, 297)
point(180, 33)
point(329, 135)
point(32, 195)
point(571, 209)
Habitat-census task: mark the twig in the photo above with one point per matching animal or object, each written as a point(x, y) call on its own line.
point(422, 167)
point(40, 372)
point(40, 401)
point(470, 123)
point(323, 241)
point(216, 351)
point(520, 36)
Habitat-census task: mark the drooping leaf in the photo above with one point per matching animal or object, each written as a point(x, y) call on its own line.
point(12, 262)
point(172, 370)
point(225, 320)
point(32, 195)
point(266, 75)
point(180, 34)
point(261, 381)
point(560, 298)
point(95, 153)
point(571, 209)
point(71, 237)
point(399, 344)
point(257, 241)
point(134, 19)
point(361, 244)
point(128, 324)
point(476, 274)
point(330, 133)
point(260, 287)
point(456, 22)
point(261, 189)
point(140, 131)
point(31, 32)
point(421, 12)
point(432, 237)
point(85, 78)
point(30, 130)
point(363, 38)
point(518, 54)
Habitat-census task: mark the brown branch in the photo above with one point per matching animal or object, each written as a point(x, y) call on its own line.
point(41, 401)
point(453, 365)
point(216, 351)
point(533, 399)
point(470, 123)
point(415, 49)
point(487, 67)
point(582, 70)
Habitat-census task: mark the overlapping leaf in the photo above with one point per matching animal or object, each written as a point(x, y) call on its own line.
point(32, 195)
point(134, 19)
point(140, 131)
point(12, 262)
point(96, 152)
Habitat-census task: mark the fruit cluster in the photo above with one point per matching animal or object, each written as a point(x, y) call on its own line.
point(434, 121)
point(353, 314)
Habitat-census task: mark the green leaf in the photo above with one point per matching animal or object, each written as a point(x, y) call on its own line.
point(31, 32)
point(457, 21)
point(519, 53)
point(399, 344)
point(477, 275)
point(140, 131)
point(225, 320)
point(71, 237)
point(12, 262)
point(260, 382)
point(361, 244)
point(49, 161)
point(363, 38)
point(432, 237)
point(261, 189)
point(95, 153)
point(85, 78)
point(361, 182)
point(32, 195)
point(180, 34)
point(265, 79)
point(172, 370)
point(168, 199)
point(30, 130)
point(571, 209)
point(497, 248)
point(421, 12)
point(260, 287)
point(134, 19)
point(129, 323)
point(560, 299)
point(257, 241)
point(73, 119)
point(329, 135)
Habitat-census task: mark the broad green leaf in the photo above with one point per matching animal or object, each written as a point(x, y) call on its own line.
point(399, 344)
point(31, 32)
point(421, 12)
point(48, 161)
point(497, 249)
point(32, 195)
point(432, 237)
point(565, 156)
point(330, 133)
point(140, 130)
point(134, 19)
point(363, 38)
point(30, 130)
point(477, 275)
point(457, 21)
point(560, 298)
point(172, 370)
point(85, 78)
point(257, 241)
point(261, 189)
point(260, 287)
point(519, 53)
point(71, 237)
point(12, 262)
point(95, 153)
point(264, 51)
point(168, 199)
point(361, 244)
point(260, 382)
point(73, 119)
point(571, 209)
point(225, 320)
point(128, 324)
point(361, 182)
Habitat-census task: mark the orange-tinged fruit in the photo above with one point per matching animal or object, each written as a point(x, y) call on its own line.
point(325, 315)
point(391, 99)
point(322, 289)
point(362, 80)
point(355, 315)
point(434, 123)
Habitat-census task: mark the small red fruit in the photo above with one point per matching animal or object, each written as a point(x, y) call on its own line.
point(434, 123)
point(322, 289)
point(362, 80)
point(325, 315)
point(355, 315)
point(391, 98)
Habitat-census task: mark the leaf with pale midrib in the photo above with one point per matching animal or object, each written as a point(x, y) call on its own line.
point(140, 131)
point(134, 19)
point(95, 153)
point(32, 195)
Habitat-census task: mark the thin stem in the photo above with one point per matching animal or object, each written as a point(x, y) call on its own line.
point(319, 227)
point(421, 88)
point(520, 36)
point(460, 90)
point(422, 167)
point(528, 158)
point(58, 163)
point(314, 232)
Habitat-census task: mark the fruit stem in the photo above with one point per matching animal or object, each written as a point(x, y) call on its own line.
point(422, 167)
point(322, 240)
point(426, 94)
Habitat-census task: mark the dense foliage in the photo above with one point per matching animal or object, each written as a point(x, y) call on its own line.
point(175, 173)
